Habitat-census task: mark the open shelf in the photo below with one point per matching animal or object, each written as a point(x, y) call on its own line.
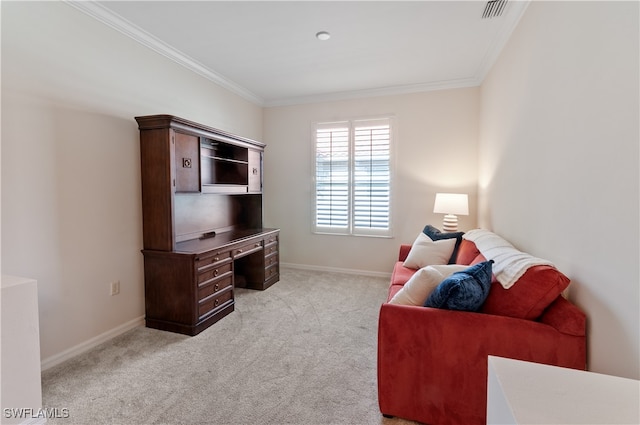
point(222, 164)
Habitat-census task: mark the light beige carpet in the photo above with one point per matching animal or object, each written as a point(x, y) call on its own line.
point(301, 352)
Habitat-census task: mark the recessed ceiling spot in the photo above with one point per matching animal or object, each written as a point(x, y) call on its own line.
point(323, 35)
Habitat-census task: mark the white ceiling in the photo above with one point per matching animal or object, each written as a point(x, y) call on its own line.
point(266, 51)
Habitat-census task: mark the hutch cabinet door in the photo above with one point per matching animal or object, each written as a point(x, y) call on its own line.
point(255, 171)
point(187, 162)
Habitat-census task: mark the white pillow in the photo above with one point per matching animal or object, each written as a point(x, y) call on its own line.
point(426, 252)
point(423, 282)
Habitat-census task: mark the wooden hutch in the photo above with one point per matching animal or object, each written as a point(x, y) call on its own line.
point(202, 222)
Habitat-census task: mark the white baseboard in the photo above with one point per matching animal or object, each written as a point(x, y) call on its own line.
point(335, 270)
point(56, 359)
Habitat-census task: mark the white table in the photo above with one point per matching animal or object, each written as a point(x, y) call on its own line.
point(521, 392)
point(20, 366)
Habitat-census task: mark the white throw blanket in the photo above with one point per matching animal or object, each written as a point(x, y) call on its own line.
point(509, 263)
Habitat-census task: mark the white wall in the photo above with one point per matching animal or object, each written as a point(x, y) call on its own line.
point(436, 150)
point(559, 161)
point(71, 203)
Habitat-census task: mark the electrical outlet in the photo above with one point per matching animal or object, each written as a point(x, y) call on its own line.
point(115, 287)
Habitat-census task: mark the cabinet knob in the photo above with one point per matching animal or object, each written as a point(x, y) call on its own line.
point(216, 258)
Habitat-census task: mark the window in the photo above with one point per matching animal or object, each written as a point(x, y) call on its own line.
point(353, 177)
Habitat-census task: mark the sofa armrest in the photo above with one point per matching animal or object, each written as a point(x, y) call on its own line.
point(432, 363)
point(404, 252)
point(565, 317)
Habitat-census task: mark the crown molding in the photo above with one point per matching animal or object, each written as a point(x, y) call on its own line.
point(117, 22)
point(377, 92)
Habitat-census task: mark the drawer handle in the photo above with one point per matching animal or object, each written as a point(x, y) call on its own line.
point(215, 272)
point(258, 245)
point(216, 258)
point(216, 302)
point(215, 288)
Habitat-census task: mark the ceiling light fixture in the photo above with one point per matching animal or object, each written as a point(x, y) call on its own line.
point(323, 35)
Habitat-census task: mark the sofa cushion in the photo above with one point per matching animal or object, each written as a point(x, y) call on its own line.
point(467, 252)
point(422, 283)
point(401, 274)
point(393, 290)
point(465, 290)
point(481, 259)
point(536, 289)
point(426, 252)
point(529, 296)
point(404, 251)
point(436, 235)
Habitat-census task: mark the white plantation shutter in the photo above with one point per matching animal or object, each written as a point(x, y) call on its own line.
point(353, 177)
point(371, 177)
point(332, 178)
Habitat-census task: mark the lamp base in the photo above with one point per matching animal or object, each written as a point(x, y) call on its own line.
point(450, 223)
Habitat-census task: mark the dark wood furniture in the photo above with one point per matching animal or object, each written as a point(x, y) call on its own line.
point(202, 222)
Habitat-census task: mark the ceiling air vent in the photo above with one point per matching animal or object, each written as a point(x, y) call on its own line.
point(494, 8)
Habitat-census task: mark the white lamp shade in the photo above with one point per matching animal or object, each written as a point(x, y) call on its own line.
point(451, 203)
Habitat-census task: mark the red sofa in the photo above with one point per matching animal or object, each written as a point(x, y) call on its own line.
point(432, 363)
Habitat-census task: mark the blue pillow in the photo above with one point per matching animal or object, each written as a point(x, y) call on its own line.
point(435, 234)
point(466, 290)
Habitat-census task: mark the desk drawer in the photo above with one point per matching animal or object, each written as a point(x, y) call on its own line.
point(271, 248)
point(217, 270)
point(247, 249)
point(211, 259)
point(210, 304)
point(271, 271)
point(213, 286)
point(271, 259)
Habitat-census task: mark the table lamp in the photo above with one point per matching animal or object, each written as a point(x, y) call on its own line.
point(451, 204)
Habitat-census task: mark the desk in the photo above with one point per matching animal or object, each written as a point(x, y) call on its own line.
point(189, 289)
point(530, 393)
